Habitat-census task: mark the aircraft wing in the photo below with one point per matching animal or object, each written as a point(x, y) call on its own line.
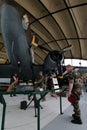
point(6, 70)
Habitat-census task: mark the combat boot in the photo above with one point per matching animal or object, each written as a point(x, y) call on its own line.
point(77, 120)
point(74, 116)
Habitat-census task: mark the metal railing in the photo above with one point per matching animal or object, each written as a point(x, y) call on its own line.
point(45, 92)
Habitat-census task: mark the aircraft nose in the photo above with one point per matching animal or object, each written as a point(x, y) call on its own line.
point(56, 56)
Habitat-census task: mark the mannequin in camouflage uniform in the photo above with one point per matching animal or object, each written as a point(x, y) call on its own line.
point(40, 83)
point(75, 90)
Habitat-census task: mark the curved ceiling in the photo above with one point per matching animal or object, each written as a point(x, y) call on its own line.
point(57, 24)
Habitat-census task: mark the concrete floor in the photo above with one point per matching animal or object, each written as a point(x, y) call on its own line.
point(63, 122)
point(51, 119)
point(17, 119)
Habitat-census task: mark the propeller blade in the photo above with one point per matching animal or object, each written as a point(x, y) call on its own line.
point(35, 43)
point(65, 49)
point(43, 48)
